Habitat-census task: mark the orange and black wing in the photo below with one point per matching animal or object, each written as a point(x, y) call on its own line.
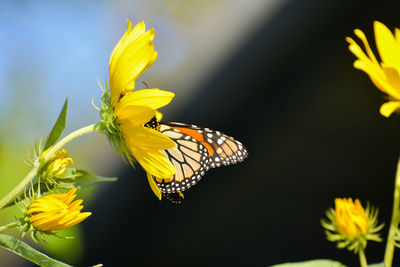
point(198, 149)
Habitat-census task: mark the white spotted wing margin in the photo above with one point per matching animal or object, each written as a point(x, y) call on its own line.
point(198, 149)
point(189, 157)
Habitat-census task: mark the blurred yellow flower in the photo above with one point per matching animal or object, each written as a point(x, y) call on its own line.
point(385, 74)
point(350, 226)
point(350, 218)
point(56, 211)
point(125, 112)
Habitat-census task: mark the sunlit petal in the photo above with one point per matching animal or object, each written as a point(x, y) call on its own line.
point(55, 211)
point(153, 186)
point(145, 138)
point(155, 163)
point(153, 98)
point(133, 54)
point(132, 61)
point(137, 115)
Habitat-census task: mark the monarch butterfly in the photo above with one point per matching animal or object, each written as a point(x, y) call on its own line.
point(198, 149)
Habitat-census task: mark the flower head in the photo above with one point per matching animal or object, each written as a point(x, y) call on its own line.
point(350, 225)
point(385, 74)
point(56, 211)
point(125, 112)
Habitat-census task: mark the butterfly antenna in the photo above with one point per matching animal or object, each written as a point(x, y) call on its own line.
point(145, 84)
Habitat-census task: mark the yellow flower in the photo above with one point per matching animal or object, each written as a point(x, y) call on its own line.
point(56, 211)
point(350, 225)
point(350, 218)
point(125, 112)
point(385, 74)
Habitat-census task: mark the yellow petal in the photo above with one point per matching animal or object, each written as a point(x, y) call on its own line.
point(397, 35)
point(356, 50)
point(378, 76)
point(131, 62)
point(46, 216)
point(128, 37)
point(137, 137)
point(80, 217)
point(136, 115)
point(387, 46)
point(153, 98)
point(159, 115)
point(155, 163)
point(367, 64)
point(153, 186)
point(363, 38)
point(151, 62)
point(389, 107)
point(393, 79)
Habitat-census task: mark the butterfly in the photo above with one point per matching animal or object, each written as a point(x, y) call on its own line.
point(197, 150)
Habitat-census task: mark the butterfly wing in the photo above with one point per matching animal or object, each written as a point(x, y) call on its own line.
point(190, 159)
point(222, 149)
point(198, 149)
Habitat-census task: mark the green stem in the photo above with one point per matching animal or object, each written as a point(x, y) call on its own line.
point(8, 226)
point(363, 260)
point(388, 259)
point(38, 164)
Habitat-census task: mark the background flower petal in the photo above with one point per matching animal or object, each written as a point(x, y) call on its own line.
point(389, 107)
point(387, 45)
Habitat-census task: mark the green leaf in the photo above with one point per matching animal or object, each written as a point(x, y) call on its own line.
point(58, 127)
point(312, 263)
point(85, 178)
point(377, 265)
point(20, 248)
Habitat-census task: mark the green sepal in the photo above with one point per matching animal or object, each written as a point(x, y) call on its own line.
point(58, 127)
point(20, 248)
point(312, 263)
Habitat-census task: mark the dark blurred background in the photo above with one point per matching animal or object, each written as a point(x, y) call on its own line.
point(276, 75)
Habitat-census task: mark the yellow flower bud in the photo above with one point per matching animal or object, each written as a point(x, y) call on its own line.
point(351, 219)
point(57, 164)
point(351, 226)
point(56, 211)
